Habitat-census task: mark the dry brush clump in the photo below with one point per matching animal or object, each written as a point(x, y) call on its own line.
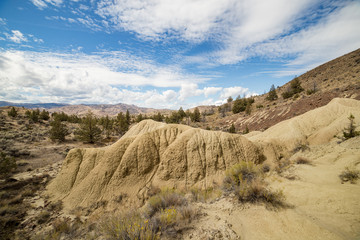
point(246, 180)
point(349, 174)
point(162, 214)
point(303, 160)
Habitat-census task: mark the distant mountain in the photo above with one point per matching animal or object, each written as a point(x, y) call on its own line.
point(104, 109)
point(32, 105)
point(82, 109)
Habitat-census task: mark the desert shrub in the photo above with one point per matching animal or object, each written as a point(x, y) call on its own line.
point(7, 165)
point(350, 131)
point(168, 216)
point(232, 129)
point(187, 213)
point(310, 91)
point(302, 160)
point(259, 106)
point(43, 217)
point(127, 226)
point(349, 174)
point(247, 182)
point(165, 199)
point(300, 147)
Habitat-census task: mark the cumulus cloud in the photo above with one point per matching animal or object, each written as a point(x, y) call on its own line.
point(234, 92)
point(101, 77)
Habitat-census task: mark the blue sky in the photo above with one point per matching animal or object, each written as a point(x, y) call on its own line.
point(165, 54)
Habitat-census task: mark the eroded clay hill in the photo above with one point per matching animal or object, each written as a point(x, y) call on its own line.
point(151, 153)
point(315, 127)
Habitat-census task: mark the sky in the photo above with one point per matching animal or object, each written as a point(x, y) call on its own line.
point(165, 53)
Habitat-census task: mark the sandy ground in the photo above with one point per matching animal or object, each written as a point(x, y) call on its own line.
point(321, 206)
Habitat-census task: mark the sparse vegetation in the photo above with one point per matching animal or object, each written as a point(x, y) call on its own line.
point(7, 165)
point(349, 175)
point(272, 94)
point(302, 160)
point(232, 129)
point(350, 131)
point(12, 113)
point(246, 180)
point(295, 88)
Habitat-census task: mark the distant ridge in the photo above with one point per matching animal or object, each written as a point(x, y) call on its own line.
point(82, 109)
point(32, 105)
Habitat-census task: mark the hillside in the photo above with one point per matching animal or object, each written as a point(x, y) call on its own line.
point(337, 78)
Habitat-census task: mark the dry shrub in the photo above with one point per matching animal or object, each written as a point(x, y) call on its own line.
point(349, 174)
point(165, 199)
point(127, 226)
point(302, 160)
point(187, 213)
point(43, 217)
point(247, 182)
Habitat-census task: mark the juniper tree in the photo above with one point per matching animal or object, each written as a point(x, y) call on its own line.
point(12, 112)
point(88, 130)
point(272, 94)
point(58, 130)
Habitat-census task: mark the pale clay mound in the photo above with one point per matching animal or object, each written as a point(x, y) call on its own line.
point(150, 153)
point(315, 127)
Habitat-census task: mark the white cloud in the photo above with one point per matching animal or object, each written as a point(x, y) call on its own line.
point(211, 90)
point(41, 4)
point(80, 78)
point(234, 92)
point(154, 19)
point(16, 37)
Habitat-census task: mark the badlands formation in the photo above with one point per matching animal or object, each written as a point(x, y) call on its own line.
point(151, 153)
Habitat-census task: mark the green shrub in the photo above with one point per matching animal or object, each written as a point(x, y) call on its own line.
point(7, 165)
point(350, 131)
point(12, 113)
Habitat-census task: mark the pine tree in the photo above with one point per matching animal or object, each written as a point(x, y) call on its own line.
point(181, 113)
point(88, 130)
point(121, 124)
point(195, 116)
point(127, 117)
point(107, 125)
point(58, 130)
point(272, 94)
